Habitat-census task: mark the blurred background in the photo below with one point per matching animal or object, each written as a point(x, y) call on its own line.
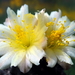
point(67, 7)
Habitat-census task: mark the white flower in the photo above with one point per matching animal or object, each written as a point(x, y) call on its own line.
point(60, 39)
point(22, 38)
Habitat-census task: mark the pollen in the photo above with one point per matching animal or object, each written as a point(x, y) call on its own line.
point(50, 23)
point(74, 40)
point(18, 15)
point(65, 21)
point(9, 26)
point(14, 20)
point(55, 37)
point(24, 36)
point(61, 44)
point(74, 29)
point(23, 21)
point(4, 41)
point(54, 19)
point(63, 35)
point(2, 31)
point(59, 21)
point(67, 42)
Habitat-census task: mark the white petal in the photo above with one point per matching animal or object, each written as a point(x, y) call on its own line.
point(11, 14)
point(41, 38)
point(43, 15)
point(41, 25)
point(35, 54)
point(29, 19)
point(63, 57)
point(42, 12)
point(70, 30)
point(51, 58)
point(41, 19)
point(25, 65)
point(5, 60)
point(4, 48)
point(71, 40)
point(64, 65)
point(64, 20)
point(56, 15)
point(70, 51)
point(5, 32)
point(44, 43)
point(7, 22)
point(13, 17)
point(23, 10)
point(17, 58)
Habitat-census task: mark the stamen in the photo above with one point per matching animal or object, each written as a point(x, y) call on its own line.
point(2, 31)
point(65, 21)
point(74, 29)
point(54, 19)
point(23, 21)
point(18, 15)
point(55, 37)
point(50, 23)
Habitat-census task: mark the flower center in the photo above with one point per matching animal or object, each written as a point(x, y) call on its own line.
point(23, 36)
point(55, 36)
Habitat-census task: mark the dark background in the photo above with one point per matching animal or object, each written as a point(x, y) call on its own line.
point(67, 6)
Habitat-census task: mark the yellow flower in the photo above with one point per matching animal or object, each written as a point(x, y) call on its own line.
point(22, 38)
point(60, 39)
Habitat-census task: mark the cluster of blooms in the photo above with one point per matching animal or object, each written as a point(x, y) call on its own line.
point(26, 38)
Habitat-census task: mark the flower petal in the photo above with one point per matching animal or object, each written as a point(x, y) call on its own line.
point(40, 16)
point(70, 51)
point(17, 58)
point(25, 65)
point(63, 57)
point(7, 22)
point(5, 32)
point(64, 20)
point(51, 58)
point(55, 14)
point(23, 10)
point(5, 60)
point(4, 48)
point(12, 17)
point(11, 14)
point(29, 19)
point(64, 65)
point(71, 40)
point(70, 30)
point(35, 54)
